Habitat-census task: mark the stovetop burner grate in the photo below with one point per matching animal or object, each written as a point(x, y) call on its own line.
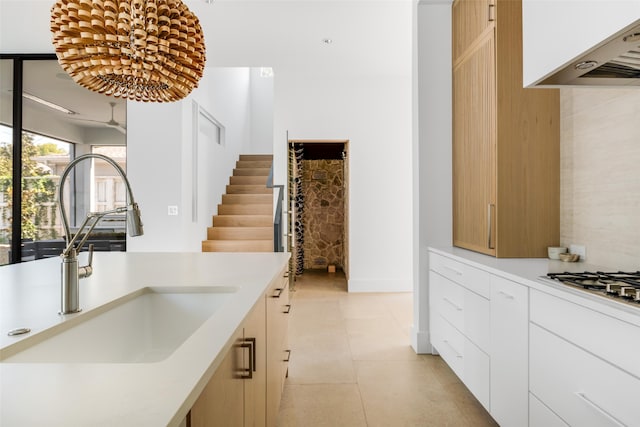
point(620, 284)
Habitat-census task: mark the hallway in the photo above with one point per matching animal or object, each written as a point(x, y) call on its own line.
point(352, 365)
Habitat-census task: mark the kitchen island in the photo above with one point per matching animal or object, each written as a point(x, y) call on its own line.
point(123, 394)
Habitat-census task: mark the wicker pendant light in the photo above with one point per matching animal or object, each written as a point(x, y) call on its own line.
point(143, 50)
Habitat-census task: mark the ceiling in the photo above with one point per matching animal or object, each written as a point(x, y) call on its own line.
point(369, 39)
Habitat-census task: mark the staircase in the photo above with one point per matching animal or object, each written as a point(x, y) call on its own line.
point(245, 218)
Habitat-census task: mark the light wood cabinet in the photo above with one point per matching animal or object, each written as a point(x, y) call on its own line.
point(255, 336)
point(278, 353)
point(470, 20)
point(246, 388)
point(221, 403)
point(506, 170)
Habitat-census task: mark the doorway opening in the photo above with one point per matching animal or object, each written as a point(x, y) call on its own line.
point(318, 200)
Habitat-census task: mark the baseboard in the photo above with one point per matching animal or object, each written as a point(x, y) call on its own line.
point(421, 342)
point(373, 285)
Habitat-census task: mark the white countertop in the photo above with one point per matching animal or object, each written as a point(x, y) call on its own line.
point(528, 271)
point(121, 394)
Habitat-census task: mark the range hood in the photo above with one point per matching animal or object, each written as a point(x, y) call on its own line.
point(613, 62)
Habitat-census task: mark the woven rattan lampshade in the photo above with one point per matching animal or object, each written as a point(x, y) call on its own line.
point(143, 50)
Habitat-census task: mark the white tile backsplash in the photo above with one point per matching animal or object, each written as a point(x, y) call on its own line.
point(600, 174)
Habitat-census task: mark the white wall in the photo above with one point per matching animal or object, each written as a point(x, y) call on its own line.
point(261, 113)
point(434, 61)
point(374, 114)
point(160, 159)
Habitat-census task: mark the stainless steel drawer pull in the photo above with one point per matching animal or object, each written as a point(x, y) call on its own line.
point(458, 355)
point(278, 293)
point(453, 304)
point(598, 409)
point(456, 272)
point(288, 356)
point(506, 295)
point(288, 309)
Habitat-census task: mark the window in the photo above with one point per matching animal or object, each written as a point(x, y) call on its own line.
point(56, 120)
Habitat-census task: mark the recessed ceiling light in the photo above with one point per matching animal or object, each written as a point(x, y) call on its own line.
point(327, 41)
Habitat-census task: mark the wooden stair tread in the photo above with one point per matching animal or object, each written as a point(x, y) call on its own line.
point(242, 221)
point(240, 233)
point(256, 157)
point(237, 246)
point(256, 164)
point(247, 199)
point(251, 172)
point(248, 189)
point(238, 209)
point(248, 180)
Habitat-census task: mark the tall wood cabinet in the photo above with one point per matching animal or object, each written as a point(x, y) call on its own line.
point(506, 155)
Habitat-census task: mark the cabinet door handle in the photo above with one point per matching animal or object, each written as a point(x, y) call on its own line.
point(458, 355)
point(456, 272)
point(278, 292)
point(288, 356)
point(490, 244)
point(506, 295)
point(250, 344)
point(288, 309)
point(453, 304)
point(598, 409)
point(247, 372)
point(492, 12)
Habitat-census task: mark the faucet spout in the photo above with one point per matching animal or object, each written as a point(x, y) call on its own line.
point(71, 272)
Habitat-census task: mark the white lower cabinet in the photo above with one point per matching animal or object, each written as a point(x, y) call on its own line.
point(509, 352)
point(582, 389)
point(459, 316)
point(476, 372)
point(541, 416)
point(531, 357)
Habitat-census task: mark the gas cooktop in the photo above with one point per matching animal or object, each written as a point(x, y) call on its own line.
point(622, 286)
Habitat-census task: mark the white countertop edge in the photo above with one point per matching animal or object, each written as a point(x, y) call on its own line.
point(527, 271)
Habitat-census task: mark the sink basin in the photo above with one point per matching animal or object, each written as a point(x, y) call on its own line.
point(143, 327)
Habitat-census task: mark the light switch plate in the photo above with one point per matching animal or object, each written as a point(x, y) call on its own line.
point(172, 210)
point(580, 250)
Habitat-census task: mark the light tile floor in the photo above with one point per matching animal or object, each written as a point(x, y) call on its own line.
point(352, 364)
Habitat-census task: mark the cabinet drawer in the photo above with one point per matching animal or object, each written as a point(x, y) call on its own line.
point(466, 359)
point(470, 277)
point(579, 387)
point(477, 372)
point(449, 342)
point(609, 338)
point(465, 310)
point(541, 416)
point(447, 299)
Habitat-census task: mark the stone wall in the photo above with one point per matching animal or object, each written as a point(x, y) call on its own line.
point(323, 187)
